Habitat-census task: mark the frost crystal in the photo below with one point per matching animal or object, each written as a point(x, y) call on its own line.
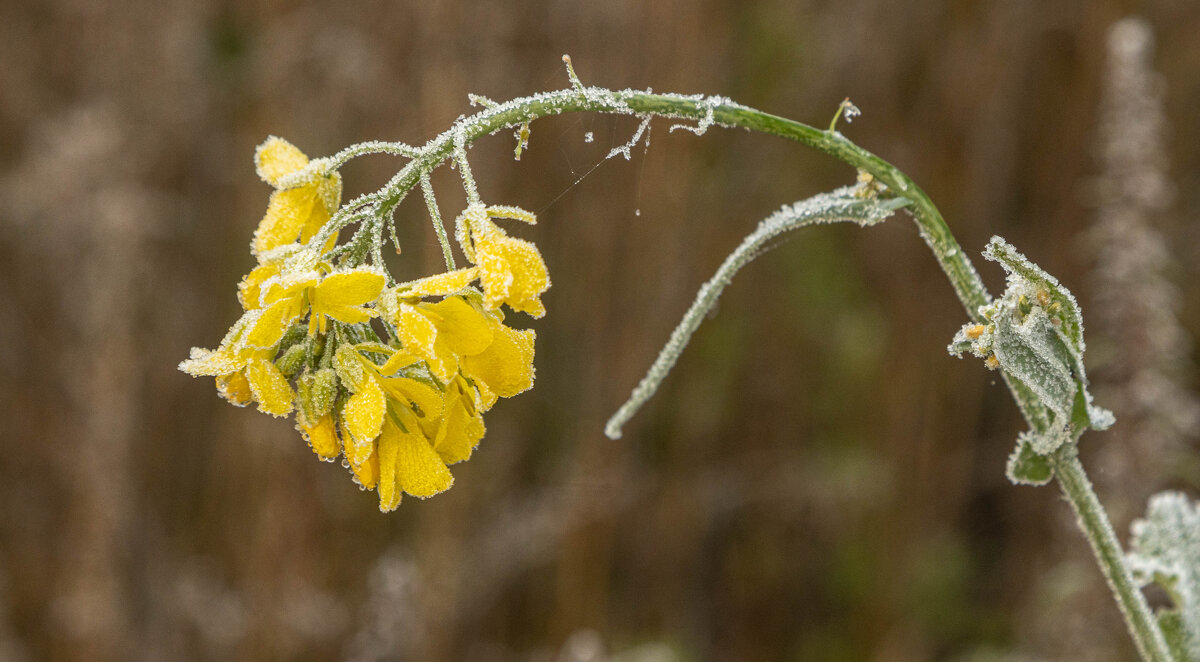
point(1166, 551)
point(624, 150)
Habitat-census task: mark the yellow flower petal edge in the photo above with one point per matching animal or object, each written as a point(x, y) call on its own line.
point(322, 437)
point(276, 157)
point(506, 366)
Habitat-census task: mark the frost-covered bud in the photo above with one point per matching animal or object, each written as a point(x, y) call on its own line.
point(1034, 333)
point(316, 393)
point(292, 359)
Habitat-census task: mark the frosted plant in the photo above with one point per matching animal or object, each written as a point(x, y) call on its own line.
point(1166, 551)
point(391, 377)
point(394, 377)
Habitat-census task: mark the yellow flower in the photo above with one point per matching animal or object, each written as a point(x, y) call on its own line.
point(301, 204)
point(250, 287)
point(379, 390)
point(505, 367)
point(455, 334)
point(243, 373)
point(339, 295)
point(456, 434)
point(441, 332)
point(385, 420)
point(511, 271)
point(407, 463)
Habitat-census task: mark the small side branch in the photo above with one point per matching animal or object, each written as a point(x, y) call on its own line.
point(840, 205)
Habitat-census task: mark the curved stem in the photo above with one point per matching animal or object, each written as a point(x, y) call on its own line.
point(962, 275)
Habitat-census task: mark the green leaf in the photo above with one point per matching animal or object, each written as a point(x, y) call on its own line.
point(1034, 333)
point(1026, 466)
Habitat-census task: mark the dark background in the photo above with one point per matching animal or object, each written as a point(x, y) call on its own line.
point(818, 480)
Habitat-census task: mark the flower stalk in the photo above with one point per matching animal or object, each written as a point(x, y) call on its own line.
point(386, 408)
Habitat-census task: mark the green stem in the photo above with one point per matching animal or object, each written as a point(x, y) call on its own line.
point(1095, 525)
point(962, 275)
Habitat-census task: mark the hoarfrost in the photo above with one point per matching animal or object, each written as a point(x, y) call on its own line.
point(624, 150)
point(1034, 332)
point(709, 104)
point(588, 137)
point(1165, 550)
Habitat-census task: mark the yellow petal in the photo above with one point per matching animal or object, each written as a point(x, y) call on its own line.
point(412, 392)
point(209, 363)
point(506, 366)
point(322, 437)
point(270, 387)
point(389, 451)
point(268, 329)
point(417, 333)
point(364, 411)
point(277, 157)
point(515, 213)
point(465, 329)
point(511, 272)
point(441, 284)
point(398, 360)
point(250, 289)
point(487, 397)
point(419, 470)
point(235, 388)
point(367, 471)
point(288, 213)
point(459, 432)
point(348, 288)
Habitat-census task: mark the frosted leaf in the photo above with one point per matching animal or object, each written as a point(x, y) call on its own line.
point(1165, 550)
point(1034, 332)
point(842, 204)
point(1026, 466)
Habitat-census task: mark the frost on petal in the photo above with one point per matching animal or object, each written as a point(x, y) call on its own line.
point(268, 329)
point(460, 428)
point(364, 465)
point(465, 329)
point(1165, 550)
point(389, 484)
point(270, 387)
point(506, 366)
point(416, 395)
point(209, 363)
point(322, 437)
point(250, 287)
point(440, 284)
point(418, 335)
point(364, 412)
point(288, 213)
point(511, 272)
point(276, 157)
point(235, 388)
point(419, 470)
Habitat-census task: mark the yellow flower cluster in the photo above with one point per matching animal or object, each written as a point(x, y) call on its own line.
point(398, 411)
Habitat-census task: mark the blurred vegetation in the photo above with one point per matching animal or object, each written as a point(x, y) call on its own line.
point(818, 480)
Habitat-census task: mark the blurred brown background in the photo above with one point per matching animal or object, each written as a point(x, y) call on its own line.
point(816, 481)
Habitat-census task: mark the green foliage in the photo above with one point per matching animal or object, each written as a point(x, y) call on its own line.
point(1034, 333)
